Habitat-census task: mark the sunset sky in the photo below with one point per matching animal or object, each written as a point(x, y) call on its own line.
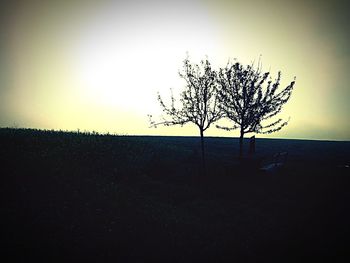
point(98, 65)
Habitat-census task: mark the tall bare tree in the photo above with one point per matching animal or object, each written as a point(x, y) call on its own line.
point(249, 98)
point(198, 101)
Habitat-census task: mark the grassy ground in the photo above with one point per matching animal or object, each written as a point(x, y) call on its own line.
point(86, 197)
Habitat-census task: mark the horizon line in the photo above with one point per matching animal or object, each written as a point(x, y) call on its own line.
point(93, 132)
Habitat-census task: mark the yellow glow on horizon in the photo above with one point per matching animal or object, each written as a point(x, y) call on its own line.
point(98, 65)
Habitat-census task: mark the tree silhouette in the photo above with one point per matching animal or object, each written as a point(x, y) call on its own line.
point(249, 97)
point(198, 101)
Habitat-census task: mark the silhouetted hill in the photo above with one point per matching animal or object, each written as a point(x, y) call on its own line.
point(87, 197)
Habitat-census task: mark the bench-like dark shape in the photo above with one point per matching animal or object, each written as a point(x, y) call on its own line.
point(278, 161)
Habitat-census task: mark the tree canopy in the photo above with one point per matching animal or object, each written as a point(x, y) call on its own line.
point(199, 102)
point(249, 97)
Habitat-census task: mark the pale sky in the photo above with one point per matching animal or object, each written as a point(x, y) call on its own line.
point(97, 65)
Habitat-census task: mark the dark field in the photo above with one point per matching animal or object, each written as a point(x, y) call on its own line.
point(70, 197)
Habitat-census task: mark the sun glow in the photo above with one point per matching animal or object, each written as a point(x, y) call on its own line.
point(98, 64)
point(123, 58)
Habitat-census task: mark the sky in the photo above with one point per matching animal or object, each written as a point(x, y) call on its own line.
point(98, 65)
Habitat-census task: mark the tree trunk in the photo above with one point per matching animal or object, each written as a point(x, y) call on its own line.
point(202, 149)
point(241, 144)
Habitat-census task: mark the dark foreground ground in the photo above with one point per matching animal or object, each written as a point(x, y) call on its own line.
point(69, 197)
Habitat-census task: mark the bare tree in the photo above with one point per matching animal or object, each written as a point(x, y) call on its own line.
point(249, 97)
point(198, 101)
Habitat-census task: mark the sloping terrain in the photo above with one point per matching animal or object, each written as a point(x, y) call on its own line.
point(87, 197)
